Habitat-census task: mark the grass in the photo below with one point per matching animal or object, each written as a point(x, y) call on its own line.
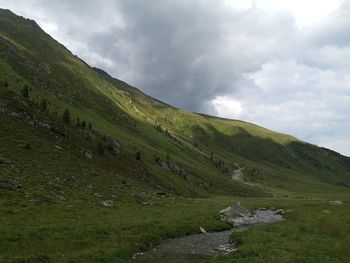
point(85, 233)
point(314, 231)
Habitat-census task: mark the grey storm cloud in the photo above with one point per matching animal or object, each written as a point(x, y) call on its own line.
point(205, 56)
point(183, 52)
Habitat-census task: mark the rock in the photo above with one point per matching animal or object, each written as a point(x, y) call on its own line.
point(107, 203)
point(141, 197)
point(97, 195)
point(226, 249)
point(114, 147)
point(88, 155)
point(164, 165)
point(203, 230)
point(335, 202)
point(9, 184)
point(173, 167)
point(44, 124)
point(238, 215)
point(236, 210)
point(116, 143)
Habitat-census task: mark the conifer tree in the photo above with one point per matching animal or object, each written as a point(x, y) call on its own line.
point(43, 105)
point(66, 116)
point(25, 91)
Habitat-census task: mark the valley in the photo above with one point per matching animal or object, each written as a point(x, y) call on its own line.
point(94, 170)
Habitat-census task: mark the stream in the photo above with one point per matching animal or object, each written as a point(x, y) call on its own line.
point(189, 249)
point(198, 248)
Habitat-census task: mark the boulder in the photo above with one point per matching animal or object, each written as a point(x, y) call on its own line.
point(107, 203)
point(164, 165)
point(226, 249)
point(236, 210)
point(88, 155)
point(115, 147)
point(203, 230)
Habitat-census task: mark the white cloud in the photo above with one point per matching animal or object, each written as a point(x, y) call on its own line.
point(306, 13)
point(227, 107)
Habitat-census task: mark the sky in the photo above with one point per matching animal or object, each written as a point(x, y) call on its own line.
point(282, 64)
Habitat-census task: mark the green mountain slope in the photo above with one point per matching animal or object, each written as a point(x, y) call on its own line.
point(202, 150)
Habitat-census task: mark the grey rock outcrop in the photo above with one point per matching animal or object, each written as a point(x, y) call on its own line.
point(238, 215)
point(174, 168)
point(236, 210)
point(115, 147)
point(107, 203)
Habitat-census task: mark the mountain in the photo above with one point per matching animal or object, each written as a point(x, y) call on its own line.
point(72, 134)
point(135, 122)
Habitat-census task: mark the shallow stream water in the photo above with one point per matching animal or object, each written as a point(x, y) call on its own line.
point(201, 247)
point(189, 249)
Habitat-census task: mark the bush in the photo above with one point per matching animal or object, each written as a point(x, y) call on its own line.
point(138, 156)
point(43, 105)
point(78, 122)
point(100, 149)
point(26, 146)
point(25, 91)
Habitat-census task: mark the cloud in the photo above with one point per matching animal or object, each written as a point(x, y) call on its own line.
point(282, 64)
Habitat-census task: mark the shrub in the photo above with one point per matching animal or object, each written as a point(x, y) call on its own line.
point(66, 116)
point(43, 105)
point(100, 149)
point(25, 91)
point(138, 156)
point(26, 146)
point(78, 122)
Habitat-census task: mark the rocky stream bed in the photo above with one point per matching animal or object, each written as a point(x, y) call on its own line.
point(200, 247)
